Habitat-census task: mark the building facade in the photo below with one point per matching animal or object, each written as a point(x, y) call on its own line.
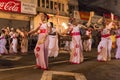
point(25, 13)
point(56, 9)
point(17, 13)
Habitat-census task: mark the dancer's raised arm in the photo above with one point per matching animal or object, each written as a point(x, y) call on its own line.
point(34, 30)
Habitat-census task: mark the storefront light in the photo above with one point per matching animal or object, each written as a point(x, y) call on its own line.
point(64, 25)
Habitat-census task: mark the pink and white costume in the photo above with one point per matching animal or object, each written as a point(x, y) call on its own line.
point(3, 42)
point(41, 50)
point(88, 43)
point(105, 45)
point(24, 43)
point(117, 55)
point(76, 46)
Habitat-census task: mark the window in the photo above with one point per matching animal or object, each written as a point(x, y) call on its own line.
point(51, 4)
point(38, 2)
point(55, 5)
point(47, 3)
point(43, 3)
point(62, 7)
point(59, 5)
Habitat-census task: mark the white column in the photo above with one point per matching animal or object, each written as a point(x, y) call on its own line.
point(45, 3)
point(40, 3)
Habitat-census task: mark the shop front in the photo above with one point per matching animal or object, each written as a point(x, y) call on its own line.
point(16, 14)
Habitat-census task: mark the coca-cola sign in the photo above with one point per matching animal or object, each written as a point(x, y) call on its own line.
point(10, 5)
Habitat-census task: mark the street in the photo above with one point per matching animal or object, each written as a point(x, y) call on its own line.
point(19, 67)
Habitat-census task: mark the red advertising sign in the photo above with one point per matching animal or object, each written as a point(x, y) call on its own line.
point(10, 5)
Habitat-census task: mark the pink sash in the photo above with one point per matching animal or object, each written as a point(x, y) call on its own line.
point(75, 33)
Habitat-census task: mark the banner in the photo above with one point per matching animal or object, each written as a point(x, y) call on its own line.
point(109, 16)
point(10, 6)
point(84, 15)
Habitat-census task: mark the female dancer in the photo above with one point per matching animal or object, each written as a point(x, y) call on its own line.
point(117, 55)
point(105, 45)
point(41, 49)
point(76, 56)
point(24, 42)
point(14, 43)
point(3, 42)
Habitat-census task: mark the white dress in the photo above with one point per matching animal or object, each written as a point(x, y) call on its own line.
point(104, 47)
point(3, 42)
point(53, 44)
point(14, 43)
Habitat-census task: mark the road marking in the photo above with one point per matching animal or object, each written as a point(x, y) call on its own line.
point(12, 58)
point(22, 67)
point(47, 75)
point(58, 62)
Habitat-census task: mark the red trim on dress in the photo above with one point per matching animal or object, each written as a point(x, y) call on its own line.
point(118, 36)
point(77, 46)
point(43, 30)
point(37, 48)
point(75, 54)
point(106, 35)
point(2, 38)
point(75, 33)
point(37, 55)
point(39, 67)
point(101, 60)
point(74, 62)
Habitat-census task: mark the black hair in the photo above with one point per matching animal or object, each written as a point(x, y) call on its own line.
point(46, 15)
point(3, 31)
point(51, 23)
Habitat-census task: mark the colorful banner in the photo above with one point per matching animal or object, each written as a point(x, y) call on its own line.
point(10, 6)
point(17, 6)
point(84, 15)
point(109, 16)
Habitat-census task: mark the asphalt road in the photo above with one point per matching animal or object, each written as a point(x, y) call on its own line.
point(18, 67)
